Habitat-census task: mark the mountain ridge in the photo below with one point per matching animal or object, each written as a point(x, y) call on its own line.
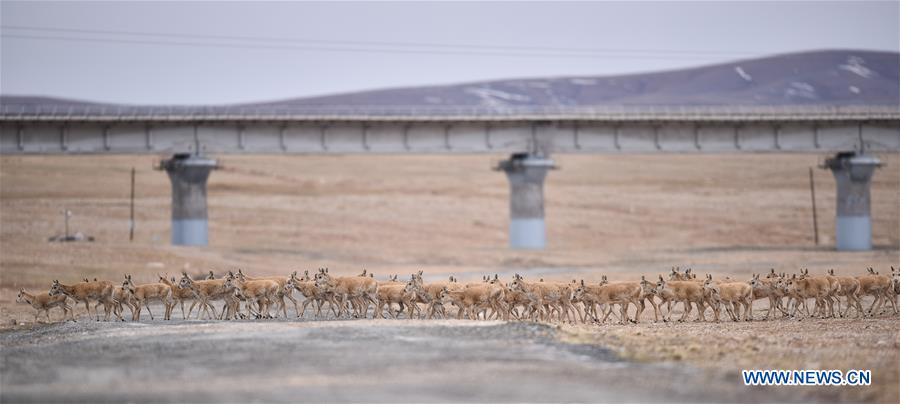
point(826, 77)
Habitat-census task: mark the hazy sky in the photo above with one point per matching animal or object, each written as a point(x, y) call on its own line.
point(225, 52)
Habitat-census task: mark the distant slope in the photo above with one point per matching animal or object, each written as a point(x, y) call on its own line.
point(837, 77)
point(828, 78)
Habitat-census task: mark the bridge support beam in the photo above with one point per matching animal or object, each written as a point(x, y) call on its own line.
point(526, 173)
point(188, 174)
point(853, 173)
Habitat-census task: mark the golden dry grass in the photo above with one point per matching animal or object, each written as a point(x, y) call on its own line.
point(623, 216)
point(618, 215)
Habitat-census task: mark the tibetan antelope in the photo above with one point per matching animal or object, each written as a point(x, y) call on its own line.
point(43, 302)
point(282, 291)
point(145, 293)
point(801, 288)
point(205, 291)
point(610, 294)
point(311, 294)
point(878, 286)
point(358, 291)
point(733, 295)
point(179, 295)
point(432, 294)
point(850, 290)
point(403, 294)
point(263, 292)
point(768, 288)
point(686, 292)
point(99, 291)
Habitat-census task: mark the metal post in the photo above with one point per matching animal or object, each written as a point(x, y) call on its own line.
point(853, 173)
point(131, 217)
point(526, 174)
point(188, 174)
point(67, 213)
point(812, 195)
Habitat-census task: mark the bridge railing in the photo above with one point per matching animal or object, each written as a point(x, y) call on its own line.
point(18, 112)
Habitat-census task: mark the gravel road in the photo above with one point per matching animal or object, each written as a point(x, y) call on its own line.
point(334, 361)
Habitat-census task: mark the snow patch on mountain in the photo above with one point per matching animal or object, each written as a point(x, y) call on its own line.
point(488, 92)
point(854, 89)
point(740, 71)
point(799, 89)
point(856, 65)
point(583, 81)
point(493, 98)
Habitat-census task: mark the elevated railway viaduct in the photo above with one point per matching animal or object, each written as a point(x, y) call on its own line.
point(191, 135)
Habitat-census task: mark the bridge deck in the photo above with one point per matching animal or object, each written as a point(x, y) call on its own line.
point(37, 129)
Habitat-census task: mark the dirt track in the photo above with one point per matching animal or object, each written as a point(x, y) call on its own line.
point(341, 361)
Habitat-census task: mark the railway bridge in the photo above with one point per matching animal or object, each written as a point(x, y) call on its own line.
point(531, 136)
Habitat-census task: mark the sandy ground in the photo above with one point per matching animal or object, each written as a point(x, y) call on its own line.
point(621, 216)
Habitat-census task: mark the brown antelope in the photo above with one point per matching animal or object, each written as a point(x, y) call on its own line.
point(566, 309)
point(487, 295)
point(678, 275)
point(144, 294)
point(179, 295)
point(554, 296)
point(437, 303)
point(359, 291)
point(532, 302)
point(850, 290)
point(497, 291)
point(801, 288)
point(404, 294)
point(878, 286)
point(476, 297)
point(122, 298)
point(43, 302)
point(772, 274)
point(421, 294)
point(622, 294)
point(589, 296)
point(205, 291)
point(515, 299)
point(431, 294)
point(261, 291)
point(768, 288)
point(643, 290)
point(733, 295)
point(466, 300)
point(832, 289)
point(232, 307)
point(415, 289)
point(282, 291)
point(686, 292)
point(311, 294)
point(647, 292)
point(99, 291)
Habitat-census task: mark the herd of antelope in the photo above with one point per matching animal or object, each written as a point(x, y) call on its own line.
point(353, 296)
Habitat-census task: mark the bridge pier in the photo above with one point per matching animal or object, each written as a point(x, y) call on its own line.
point(526, 173)
point(853, 173)
point(188, 174)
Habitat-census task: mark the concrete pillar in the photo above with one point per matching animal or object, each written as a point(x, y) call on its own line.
point(526, 173)
point(188, 174)
point(853, 173)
